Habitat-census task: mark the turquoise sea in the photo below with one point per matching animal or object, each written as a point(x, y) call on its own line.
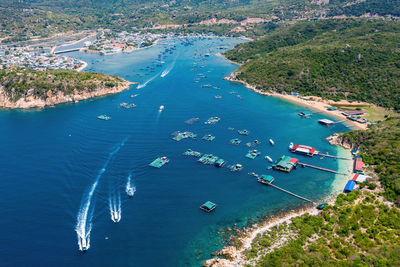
point(64, 172)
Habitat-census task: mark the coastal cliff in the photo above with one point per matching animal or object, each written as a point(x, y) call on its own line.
point(21, 89)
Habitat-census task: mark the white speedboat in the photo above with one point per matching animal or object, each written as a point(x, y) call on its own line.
point(291, 145)
point(130, 191)
point(268, 158)
point(161, 108)
point(271, 142)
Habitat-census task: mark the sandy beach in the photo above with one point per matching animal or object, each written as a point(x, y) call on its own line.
point(313, 102)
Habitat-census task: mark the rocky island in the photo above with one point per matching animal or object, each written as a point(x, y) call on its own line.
point(24, 89)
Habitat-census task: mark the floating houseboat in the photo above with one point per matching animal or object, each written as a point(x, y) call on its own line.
point(303, 150)
point(265, 179)
point(208, 159)
point(235, 168)
point(193, 153)
point(127, 105)
point(208, 137)
point(208, 206)
point(159, 162)
point(104, 117)
point(286, 164)
point(326, 122)
point(243, 132)
point(212, 120)
point(252, 154)
point(254, 143)
point(235, 141)
point(183, 135)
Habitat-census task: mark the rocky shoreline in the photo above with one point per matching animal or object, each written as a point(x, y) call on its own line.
point(51, 99)
point(235, 255)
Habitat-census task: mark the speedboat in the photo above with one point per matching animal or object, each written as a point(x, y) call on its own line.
point(268, 158)
point(271, 142)
point(130, 191)
point(161, 108)
point(291, 145)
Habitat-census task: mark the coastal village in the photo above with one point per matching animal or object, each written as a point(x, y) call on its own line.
point(36, 59)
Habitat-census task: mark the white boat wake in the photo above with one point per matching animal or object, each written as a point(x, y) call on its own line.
point(165, 72)
point(115, 207)
point(149, 80)
point(83, 226)
point(130, 187)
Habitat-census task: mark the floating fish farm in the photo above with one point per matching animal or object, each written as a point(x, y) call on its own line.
point(159, 162)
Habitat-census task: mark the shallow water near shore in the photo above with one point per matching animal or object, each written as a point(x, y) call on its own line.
point(51, 159)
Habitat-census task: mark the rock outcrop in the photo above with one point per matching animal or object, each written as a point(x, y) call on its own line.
point(338, 140)
point(32, 101)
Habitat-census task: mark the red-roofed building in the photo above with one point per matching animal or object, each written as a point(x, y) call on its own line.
point(358, 165)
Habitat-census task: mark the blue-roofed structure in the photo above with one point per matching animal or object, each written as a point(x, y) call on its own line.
point(349, 186)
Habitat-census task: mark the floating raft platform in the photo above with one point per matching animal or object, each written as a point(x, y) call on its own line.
point(252, 154)
point(208, 137)
point(193, 153)
point(127, 105)
point(159, 162)
point(243, 132)
point(208, 206)
point(104, 117)
point(183, 135)
point(235, 141)
point(212, 120)
point(208, 159)
point(236, 168)
point(253, 144)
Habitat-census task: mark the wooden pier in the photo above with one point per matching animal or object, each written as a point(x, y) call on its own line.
point(290, 193)
point(319, 168)
point(336, 122)
point(330, 156)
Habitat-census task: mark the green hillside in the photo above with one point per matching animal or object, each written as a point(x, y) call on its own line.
point(334, 59)
point(18, 83)
point(40, 18)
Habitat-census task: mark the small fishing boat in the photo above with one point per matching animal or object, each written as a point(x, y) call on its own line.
point(322, 206)
point(268, 158)
point(271, 142)
point(161, 108)
point(219, 163)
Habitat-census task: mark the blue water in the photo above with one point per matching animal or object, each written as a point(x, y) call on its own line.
point(62, 167)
